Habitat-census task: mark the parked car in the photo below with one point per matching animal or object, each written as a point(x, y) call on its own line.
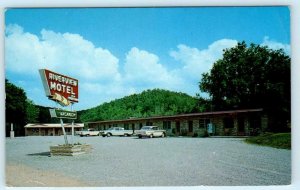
point(116, 131)
point(150, 131)
point(87, 132)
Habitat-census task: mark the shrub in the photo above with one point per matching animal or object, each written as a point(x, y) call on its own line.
point(276, 140)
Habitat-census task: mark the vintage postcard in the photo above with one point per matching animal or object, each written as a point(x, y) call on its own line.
point(148, 96)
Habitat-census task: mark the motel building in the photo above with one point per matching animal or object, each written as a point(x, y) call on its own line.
point(44, 129)
point(219, 123)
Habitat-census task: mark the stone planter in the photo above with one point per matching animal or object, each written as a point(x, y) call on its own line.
point(69, 150)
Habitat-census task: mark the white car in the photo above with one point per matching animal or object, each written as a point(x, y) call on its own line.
point(116, 131)
point(88, 132)
point(150, 131)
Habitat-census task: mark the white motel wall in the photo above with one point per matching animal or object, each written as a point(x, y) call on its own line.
point(50, 129)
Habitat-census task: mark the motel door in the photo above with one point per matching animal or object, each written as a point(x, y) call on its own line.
point(210, 129)
point(241, 126)
point(178, 127)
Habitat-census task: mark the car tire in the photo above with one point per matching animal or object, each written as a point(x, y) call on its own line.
point(151, 136)
point(108, 134)
point(140, 136)
point(163, 135)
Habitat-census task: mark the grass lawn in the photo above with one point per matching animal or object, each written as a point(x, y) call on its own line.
point(276, 140)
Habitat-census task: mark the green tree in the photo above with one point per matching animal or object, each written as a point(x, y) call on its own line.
point(15, 108)
point(155, 102)
point(44, 115)
point(252, 77)
point(32, 112)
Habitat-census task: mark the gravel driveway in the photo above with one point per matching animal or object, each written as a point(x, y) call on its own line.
point(129, 161)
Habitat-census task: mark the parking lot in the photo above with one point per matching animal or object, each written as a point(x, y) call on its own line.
point(171, 161)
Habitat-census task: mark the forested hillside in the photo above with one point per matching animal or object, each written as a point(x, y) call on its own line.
point(155, 102)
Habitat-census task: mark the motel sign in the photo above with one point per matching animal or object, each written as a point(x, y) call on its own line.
point(60, 88)
point(64, 90)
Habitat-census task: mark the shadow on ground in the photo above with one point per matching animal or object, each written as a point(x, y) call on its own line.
point(40, 154)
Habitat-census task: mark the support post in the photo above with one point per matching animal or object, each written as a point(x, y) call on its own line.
point(72, 137)
point(64, 132)
point(12, 133)
point(72, 131)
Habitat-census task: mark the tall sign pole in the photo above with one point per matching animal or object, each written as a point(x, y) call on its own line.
point(72, 126)
point(64, 132)
point(63, 90)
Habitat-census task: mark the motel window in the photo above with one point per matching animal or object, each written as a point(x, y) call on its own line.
point(126, 126)
point(115, 125)
point(203, 123)
point(148, 123)
point(190, 126)
point(228, 122)
point(35, 130)
point(167, 125)
point(141, 125)
point(255, 122)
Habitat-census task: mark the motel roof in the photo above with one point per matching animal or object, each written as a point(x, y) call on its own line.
point(53, 125)
point(181, 116)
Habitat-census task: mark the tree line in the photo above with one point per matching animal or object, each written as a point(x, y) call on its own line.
point(19, 109)
point(156, 102)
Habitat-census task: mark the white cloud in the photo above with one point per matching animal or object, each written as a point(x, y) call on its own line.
point(272, 44)
point(143, 69)
point(65, 53)
point(13, 28)
point(22, 50)
point(195, 61)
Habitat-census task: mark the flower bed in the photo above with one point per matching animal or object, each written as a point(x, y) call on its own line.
point(69, 150)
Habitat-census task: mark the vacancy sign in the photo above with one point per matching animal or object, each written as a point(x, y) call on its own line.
point(60, 88)
point(56, 113)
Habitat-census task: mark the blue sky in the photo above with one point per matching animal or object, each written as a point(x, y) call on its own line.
point(115, 52)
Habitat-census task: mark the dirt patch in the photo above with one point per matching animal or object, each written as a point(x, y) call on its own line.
point(23, 176)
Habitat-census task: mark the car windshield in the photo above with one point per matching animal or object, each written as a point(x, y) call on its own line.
point(146, 128)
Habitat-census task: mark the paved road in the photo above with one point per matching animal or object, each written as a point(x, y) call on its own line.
point(129, 161)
